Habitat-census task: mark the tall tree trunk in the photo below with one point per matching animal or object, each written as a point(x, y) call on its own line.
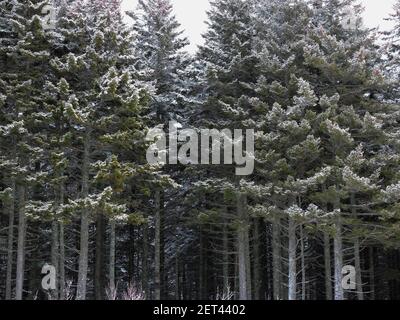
point(61, 260)
point(236, 272)
point(55, 242)
point(269, 284)
point(157, 246)
point(201, 286)
point(292, 260)
point(327, 258)
point(10, 241)
point(243, 245)
point(21, 244)
point(205, 293)
point(84, 236)
point(62, 263)
point(145, 262)
point(257, 265)
point(303, 266)
point(131, 254)
point(98, 272)
point(248, 254)
point(328, 268)
point(338, 258)
point(163, 273)
point(111, 270)
point(357, 260)
point(372, 273)
point(225, 257)
point(276, 258)
point(54, 254)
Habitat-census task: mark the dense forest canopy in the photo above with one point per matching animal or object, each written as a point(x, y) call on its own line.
point(80, 90)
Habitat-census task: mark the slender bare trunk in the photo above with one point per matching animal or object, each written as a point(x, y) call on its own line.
point(202, 267)
point(10, 240)
point(61, 259)
point(248, 257)
point(157, 246)
point(292, 260)
point(145, 262)
point(225, 257)
point(257, 265)
point(99, 258)
point(327, 258)
point(111, 271)
point(83, 256)
point(372, 273)
point(54, 253)
point(338, 258)
point(21, 244)
point(357, 260)
point(84, 236)
point(243, 248)
point(276, 257)
point(303, 265)
point(62, 262)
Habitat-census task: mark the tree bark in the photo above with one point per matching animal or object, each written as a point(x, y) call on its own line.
point(84, 236)
point(99, 284)
point(328, 268)
point(157, 246)
point(303, 266)
point(257, 265)
point(276, 257)
point(111, 271)
point(338, 258)
point(10, 241)
point(201, 287)
point(62, 263)
point(243, 245)
point(372, 273)
point(145, 262)
point(225, 257)
point(21, 244)
point(357, 260)
point(248, 254)
point(61, 260)
point(292, 260)
point(54, 254)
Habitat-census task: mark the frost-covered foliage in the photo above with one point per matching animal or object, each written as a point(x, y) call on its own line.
point(77, 100)
point(162, 60)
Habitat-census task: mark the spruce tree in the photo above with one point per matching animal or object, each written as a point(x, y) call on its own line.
point(163, 63)
point(96, 65)
point(24, 66)
point(229, 72)
point(307, 88)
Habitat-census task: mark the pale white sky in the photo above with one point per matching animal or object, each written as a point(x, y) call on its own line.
point(192, 14)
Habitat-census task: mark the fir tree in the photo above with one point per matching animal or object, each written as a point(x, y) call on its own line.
point(229, 72)
point(163, 63)
point(24, 66)
point(105, 110)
